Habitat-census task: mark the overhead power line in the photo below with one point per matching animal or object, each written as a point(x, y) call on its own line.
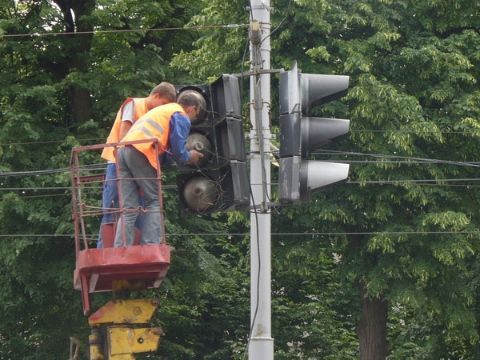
point(46, 142)
point(402, 131)
point(92, 167)
point(36, 188)
point(400, 181)
point(391, 159)
point(352, 131)
point(113, 31)
point(436, 182)
point(273, 234)
point(426, 160)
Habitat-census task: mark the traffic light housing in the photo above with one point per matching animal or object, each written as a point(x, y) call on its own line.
point(300, 133)
point(220, 181)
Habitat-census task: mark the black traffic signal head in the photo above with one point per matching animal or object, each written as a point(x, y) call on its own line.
point(300, 133)
point(220, 182)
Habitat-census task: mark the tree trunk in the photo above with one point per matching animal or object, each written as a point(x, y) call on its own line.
point(81, 101)
point(372, 329)
point(78, 52)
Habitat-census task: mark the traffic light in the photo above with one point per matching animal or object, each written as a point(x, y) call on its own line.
point(300, 133)
point(220, 182)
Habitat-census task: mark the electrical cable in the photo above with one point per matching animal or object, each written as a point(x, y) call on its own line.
point(396, 181)
point(35, 188)
point(255, 210)
point(40, 196)
point(430, 160)
point(101, 166)
point(410, 131)
point(94, 32)
point(433, 182)
point(401, 162)
point(243, 73)
point(424, 161)
point(279, 24)
point(277, 234)
point(252, 324)
point(45, 142)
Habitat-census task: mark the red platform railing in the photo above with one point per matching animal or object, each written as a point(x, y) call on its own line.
point(109, 268)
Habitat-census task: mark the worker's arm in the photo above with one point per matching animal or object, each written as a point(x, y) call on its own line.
point(179, 130)
point(127, 118)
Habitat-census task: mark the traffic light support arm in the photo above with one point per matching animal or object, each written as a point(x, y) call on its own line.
point(261, 71)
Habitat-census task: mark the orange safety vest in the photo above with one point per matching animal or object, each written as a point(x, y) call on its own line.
point(155, 124)
point(139, 109)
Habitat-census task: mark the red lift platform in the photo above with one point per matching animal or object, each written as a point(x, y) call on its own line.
point(108, 268)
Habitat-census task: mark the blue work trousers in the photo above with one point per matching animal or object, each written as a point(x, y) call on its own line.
point(136, 173)
point(110, 195)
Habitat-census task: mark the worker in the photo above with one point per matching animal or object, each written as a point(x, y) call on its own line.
point(131, 110)
point(138, 163)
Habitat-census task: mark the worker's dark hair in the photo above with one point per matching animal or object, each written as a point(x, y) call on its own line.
point(193, 98)
point(165, 90)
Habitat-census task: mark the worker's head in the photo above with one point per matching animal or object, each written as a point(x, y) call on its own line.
point(161, 94)
point(194, 104)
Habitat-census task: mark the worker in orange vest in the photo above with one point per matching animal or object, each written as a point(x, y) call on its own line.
point(131, 110)
point(169, 126)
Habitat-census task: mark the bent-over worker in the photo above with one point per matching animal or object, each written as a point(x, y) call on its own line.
point(170, 125)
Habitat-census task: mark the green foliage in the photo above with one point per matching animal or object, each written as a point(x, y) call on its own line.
point(414, 94)
point(218, 50)
point(309, 299)
point(44, 114)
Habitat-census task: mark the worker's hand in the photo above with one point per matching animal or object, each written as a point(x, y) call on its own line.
point(195, 157)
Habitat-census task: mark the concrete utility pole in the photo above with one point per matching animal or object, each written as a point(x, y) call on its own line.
point(261, 341)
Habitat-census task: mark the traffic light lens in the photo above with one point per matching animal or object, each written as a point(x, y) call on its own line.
point(199, 142)
point(200, 193)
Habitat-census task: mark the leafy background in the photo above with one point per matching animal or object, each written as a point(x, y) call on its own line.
point(402, 262)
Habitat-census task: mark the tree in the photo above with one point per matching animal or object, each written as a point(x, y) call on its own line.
point(62, 84)
point(399, 264)
point(414, 94)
